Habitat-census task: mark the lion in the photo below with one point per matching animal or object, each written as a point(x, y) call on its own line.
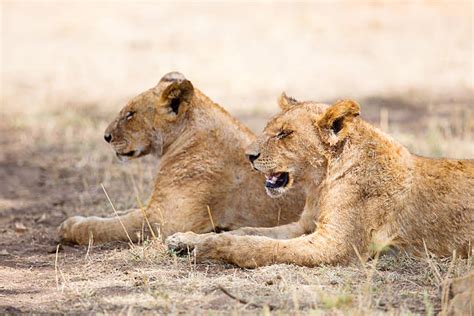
point(203, 182)
point(365, 192)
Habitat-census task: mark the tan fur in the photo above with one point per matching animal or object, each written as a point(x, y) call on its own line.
point(364, 191)
point(461, 296)
point(202, 168)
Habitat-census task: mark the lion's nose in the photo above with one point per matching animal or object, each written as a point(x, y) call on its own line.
point(108, 137)
point(253, 157)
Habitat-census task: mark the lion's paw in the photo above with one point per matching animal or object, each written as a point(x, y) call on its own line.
point(181, 243)
point(68, 231)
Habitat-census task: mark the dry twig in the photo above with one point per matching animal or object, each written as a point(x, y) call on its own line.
point(242, 301)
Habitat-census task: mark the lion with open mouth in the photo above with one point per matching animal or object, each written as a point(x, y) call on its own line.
point(364, 191)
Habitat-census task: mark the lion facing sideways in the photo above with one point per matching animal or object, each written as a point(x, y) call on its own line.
point(203, 183)
point(363, 189)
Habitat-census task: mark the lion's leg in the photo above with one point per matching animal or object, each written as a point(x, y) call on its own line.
point(328, 245)
point(305, 225)
point(338, 232)
point(255, 251)
point(287, 231)
point(80, 230)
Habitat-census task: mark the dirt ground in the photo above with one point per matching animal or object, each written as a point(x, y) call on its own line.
point(67, 68)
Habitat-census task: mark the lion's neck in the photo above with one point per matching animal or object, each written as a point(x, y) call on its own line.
point(204, 120)
point(370, 157)
point(207, 116)
point(207, 106)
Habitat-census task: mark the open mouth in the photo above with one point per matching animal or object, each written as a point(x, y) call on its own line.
point(277, 180)
point(127, 154)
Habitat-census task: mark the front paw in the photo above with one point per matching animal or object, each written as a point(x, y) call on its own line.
point(70, 231)
point(181, 243)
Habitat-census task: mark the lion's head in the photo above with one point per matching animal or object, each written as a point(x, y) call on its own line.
point(295, 143)
point(151, 121)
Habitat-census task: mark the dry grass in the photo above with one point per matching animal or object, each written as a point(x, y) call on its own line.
point(65, 76)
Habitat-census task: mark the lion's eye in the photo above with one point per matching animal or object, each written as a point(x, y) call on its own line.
point(129, 115)
point(283, 134)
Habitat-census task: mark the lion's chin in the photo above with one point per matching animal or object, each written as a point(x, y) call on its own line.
point(276, 192)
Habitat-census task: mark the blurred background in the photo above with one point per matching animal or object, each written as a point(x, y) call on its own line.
point(407, 62)
point(389, 55)
point(68, 67)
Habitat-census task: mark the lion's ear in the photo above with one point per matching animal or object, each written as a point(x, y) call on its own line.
point(334, 123)
point(285, 102)
point(175, 90)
